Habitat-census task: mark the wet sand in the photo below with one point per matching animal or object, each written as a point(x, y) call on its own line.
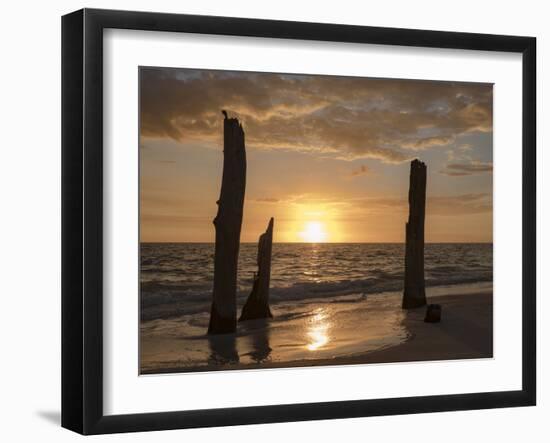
point(465, 332)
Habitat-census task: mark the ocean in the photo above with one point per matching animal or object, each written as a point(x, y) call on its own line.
point(329, 301)
point(176, 278)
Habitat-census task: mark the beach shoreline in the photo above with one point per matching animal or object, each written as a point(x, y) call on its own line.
point(465, 332)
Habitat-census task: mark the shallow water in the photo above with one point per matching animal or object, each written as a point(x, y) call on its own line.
point(318, 329)
point(305, 331)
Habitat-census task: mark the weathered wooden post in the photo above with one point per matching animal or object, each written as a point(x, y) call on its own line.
point(228, 221)
point(257, 304)
point(414, 295)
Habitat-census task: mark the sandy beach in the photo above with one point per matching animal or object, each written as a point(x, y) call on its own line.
point(464, 333)
point(326, 333)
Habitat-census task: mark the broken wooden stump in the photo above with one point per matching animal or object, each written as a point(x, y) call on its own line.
point(257, 304)
point(414, 294)
point(228, 221)
point(433, 314)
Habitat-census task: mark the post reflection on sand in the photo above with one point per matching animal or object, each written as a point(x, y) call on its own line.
point(223, 349)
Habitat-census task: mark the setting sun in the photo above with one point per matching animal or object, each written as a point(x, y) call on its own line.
point(314, 232)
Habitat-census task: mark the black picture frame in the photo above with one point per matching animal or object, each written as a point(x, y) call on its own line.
point(82, 219)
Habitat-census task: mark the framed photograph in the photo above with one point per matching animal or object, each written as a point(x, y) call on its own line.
point(269, 221)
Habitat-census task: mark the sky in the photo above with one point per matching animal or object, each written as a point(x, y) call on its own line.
point(328, 157)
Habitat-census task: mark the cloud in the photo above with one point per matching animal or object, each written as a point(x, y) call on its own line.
point(472, 167)
point(438, 205)
point(429, 142)
point(345, 117)
point(267, 200)
point(362, 170)
point(357, 207)
point(463, 204)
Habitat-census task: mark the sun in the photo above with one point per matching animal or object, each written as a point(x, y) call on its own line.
point(314, 232)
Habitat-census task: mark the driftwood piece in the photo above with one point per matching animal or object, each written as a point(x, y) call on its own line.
point(414, 295)
point(228, 221)
point(257, 304)
point(433, 314)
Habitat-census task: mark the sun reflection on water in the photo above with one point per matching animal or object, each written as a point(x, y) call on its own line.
point(317, 333)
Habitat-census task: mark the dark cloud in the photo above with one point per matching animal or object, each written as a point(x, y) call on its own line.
point(468, 168)
point(342, 116)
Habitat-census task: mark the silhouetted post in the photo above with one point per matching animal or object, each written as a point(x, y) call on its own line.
point(228, 221)
point(257, 304)
point(415, 292)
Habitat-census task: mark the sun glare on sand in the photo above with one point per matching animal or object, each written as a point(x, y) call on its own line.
point(318, 331)
point(314, 232)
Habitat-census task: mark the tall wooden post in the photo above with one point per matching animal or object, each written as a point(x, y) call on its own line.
point(415, 293)
point(257, 304)
point(228, 221)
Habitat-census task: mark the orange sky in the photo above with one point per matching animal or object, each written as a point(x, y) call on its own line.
point(328, 157)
